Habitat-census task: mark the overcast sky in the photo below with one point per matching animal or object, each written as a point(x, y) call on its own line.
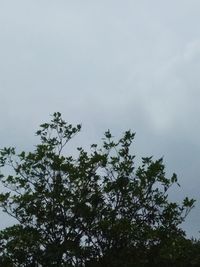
point(106, 64)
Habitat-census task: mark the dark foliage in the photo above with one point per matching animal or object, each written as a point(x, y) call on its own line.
point(94, 209)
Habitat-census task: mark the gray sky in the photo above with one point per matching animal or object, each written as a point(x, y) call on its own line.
point(106, 64)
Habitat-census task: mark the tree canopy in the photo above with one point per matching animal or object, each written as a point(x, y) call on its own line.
point(93, 209)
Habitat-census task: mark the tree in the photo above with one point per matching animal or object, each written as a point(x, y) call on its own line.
point(93, 209)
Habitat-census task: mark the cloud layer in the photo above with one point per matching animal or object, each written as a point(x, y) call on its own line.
point(108, 65)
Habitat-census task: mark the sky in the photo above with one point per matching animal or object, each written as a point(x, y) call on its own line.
point(121, 65)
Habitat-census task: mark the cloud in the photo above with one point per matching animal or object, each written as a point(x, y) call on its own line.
point(107, 65)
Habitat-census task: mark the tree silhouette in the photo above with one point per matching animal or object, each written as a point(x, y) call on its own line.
point(93, 209)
